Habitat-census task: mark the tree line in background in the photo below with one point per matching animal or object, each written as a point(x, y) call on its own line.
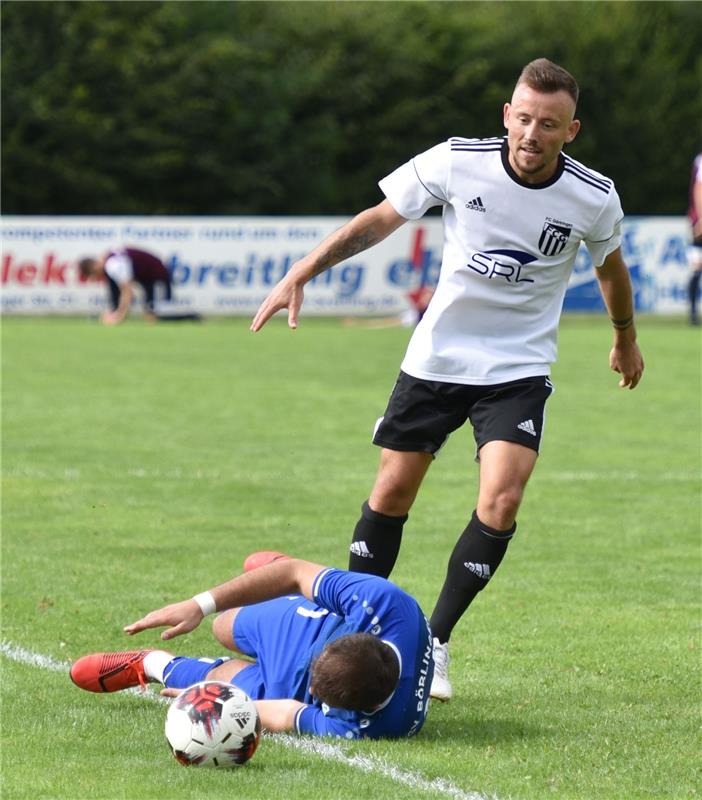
point(301, 107)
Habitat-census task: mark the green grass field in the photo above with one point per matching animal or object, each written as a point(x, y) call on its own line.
point(141, 464)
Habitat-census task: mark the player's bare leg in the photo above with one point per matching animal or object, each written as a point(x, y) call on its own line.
point(505, 468)
point(223, 628)
point(400, 475)
point(226, 671)
point(378, 533)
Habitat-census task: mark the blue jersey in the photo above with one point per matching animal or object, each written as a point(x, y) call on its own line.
point(287, 634)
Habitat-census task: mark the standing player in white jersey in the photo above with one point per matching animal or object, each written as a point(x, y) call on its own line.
point(515, 211)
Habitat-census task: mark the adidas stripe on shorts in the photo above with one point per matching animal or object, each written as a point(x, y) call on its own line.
point(421, 414)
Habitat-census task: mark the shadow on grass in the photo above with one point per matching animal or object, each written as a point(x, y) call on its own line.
point(477, 730)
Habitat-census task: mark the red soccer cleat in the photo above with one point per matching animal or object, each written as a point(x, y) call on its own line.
point(261, 558)
point(110, 672)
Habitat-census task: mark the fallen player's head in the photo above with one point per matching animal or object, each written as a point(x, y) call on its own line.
point(357, 672)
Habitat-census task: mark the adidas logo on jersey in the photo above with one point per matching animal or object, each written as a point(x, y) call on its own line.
point(527, 426)
point(360, 549)
point(481, 570)
point(476, 204)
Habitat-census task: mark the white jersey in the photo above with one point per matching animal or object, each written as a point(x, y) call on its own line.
point(119, 267)
point(509, 249)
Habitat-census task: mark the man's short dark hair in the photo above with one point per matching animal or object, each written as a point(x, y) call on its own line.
point(543, 75)
point(356, 672)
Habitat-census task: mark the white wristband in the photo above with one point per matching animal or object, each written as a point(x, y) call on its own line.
point(206, 602)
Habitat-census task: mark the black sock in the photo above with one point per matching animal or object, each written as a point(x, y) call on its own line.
point(475, 557)
point(376, 542)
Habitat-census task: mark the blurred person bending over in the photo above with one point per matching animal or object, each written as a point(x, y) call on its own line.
point(515, 210)
point(694, 252)
point(336, 653)
point(124, 267)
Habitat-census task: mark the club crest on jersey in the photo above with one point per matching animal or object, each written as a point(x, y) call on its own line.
point(554, 236)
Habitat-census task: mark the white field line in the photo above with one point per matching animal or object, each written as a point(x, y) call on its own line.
point(378, 766)
point(22, 656)
point(613, 476)
point(313, 747)
point(176, 473)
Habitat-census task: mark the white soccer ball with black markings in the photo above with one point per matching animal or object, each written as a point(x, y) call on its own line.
point(213, 724)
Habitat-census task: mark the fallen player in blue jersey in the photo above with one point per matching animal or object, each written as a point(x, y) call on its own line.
point(336, 653)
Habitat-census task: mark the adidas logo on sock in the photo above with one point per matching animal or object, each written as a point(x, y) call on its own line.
point(360, 549)
point(481, 570)
point(527, 426)
point(476, 204)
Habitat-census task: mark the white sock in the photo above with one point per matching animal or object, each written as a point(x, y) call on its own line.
point(155, 663)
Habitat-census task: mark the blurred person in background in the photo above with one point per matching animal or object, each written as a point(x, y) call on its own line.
point(694, 253)
point(124, 267)
point(515, 210)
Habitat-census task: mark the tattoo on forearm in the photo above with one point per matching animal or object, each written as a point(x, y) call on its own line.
point(346, 247)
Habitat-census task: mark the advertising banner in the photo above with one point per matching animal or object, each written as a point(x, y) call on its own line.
point(655, 250)
point(227, 265)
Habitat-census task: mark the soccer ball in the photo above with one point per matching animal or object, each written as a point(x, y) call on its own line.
point(213, 724)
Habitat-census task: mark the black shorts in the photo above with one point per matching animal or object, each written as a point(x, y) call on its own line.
point(421, 414)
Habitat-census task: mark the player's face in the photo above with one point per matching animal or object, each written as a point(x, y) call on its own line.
point(538, 125)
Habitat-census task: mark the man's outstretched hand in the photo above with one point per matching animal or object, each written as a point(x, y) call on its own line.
point(180, 618)
point(285, 295)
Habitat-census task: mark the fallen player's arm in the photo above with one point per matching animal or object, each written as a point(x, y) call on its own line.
point(277, 579)
point(280, 578)
point(278, 716)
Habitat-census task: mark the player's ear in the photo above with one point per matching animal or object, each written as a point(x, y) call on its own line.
point(505, 114)
point(573, 129)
